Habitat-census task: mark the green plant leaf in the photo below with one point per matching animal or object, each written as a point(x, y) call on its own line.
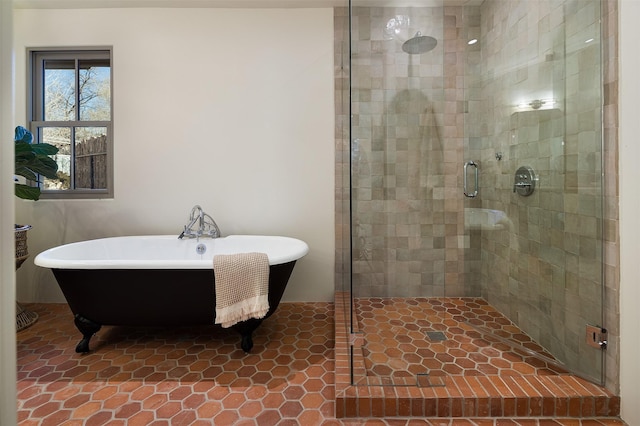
point(44, 166)
point(32, 160)
point(23, 153)
point(24, 158)
point(44, 149)
point(27, 192)
point(22, 147)
point(25, 172)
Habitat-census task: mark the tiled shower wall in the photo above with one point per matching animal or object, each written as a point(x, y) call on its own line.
point(408, 237)
point(418, 225)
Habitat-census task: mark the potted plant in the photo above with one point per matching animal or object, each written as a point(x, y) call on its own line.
point(31, 160)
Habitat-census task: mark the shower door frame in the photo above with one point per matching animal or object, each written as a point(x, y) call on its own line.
point(463, 279)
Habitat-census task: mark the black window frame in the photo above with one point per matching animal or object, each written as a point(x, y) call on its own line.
point(37, 122)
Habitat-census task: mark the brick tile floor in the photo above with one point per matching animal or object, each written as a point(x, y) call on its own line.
point(195, 375)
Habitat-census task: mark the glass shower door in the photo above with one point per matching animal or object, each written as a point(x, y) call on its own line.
point(534, 125)
point(397, 178)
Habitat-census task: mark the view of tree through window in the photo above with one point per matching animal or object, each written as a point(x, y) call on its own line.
point(72, 110)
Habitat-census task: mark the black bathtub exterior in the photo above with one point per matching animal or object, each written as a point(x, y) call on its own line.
point(154, 297)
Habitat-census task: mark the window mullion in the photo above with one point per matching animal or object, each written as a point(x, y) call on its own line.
point(77, 73)
point(73, 128)
point(38, 78)
point(72, 158)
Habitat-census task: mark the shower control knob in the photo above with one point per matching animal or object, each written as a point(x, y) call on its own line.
point(524, 181)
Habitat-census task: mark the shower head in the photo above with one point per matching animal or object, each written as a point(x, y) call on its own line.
point(419, 44)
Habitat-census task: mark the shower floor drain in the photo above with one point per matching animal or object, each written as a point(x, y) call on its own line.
point(436, 336)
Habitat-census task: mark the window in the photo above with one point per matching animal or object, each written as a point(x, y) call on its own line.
point(71, 109)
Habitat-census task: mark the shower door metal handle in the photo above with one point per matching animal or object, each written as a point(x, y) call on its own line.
point(465, 179)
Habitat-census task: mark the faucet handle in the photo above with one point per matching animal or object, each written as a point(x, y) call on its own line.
point(206, 225)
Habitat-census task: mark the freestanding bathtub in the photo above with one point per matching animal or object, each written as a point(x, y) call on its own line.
point(159, 280)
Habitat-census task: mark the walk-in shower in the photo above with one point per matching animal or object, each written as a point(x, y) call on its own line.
point(506, 278)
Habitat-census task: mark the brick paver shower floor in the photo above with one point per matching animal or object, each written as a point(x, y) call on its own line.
point(408, 337)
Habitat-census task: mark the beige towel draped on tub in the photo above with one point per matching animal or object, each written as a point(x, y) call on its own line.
point(241, 286)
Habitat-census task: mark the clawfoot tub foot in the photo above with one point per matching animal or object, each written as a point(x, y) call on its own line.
point(247, 343)
point(88, 328)
point(246, 329)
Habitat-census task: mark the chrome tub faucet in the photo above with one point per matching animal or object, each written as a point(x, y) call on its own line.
point(206, 226)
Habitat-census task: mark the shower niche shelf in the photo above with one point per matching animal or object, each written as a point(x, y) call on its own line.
point(485, 219)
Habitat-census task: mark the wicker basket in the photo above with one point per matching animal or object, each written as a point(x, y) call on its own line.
point(24, 317)
point(22, 251)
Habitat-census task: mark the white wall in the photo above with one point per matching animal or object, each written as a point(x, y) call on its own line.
point(7, 245)
point(629, 91)
point(231, 109)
